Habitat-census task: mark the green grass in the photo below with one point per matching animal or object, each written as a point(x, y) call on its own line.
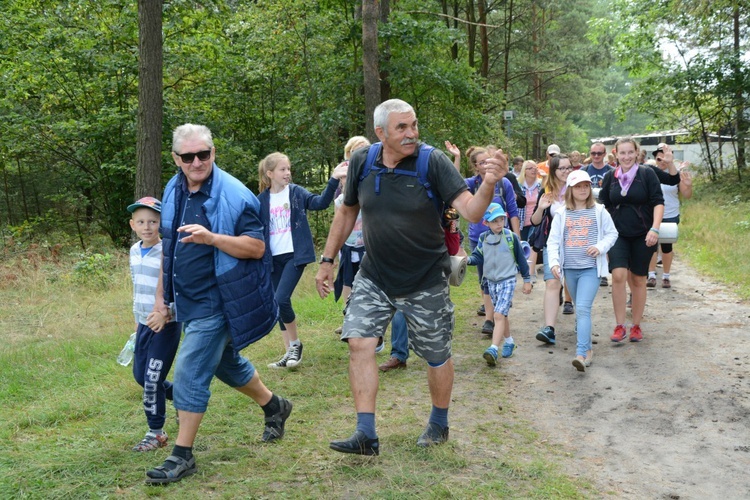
point(69, 414)
point(715, 232)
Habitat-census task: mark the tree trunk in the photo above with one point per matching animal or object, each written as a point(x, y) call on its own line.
point(8, 204)
point(370, 71)
point(484, 47)
point(385, 83)
point(741, 121)
point(536, 83)
point(150, 100)
point(23, 189)
point(507, 39)
point(471, 31)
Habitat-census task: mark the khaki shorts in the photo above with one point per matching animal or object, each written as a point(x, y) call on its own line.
point(428, 313)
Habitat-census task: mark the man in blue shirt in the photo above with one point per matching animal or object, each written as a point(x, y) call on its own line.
point(214, 277)
point(597, 168)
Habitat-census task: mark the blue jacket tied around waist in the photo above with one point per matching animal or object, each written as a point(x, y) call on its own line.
point(244, 284)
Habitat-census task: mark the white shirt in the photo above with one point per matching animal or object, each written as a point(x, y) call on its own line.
point(280, 224)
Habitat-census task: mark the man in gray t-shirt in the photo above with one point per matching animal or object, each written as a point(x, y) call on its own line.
point(406, 266)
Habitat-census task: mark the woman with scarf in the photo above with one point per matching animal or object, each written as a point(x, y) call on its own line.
point(632, 195)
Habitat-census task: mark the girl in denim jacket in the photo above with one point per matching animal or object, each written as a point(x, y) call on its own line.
point(283, 211)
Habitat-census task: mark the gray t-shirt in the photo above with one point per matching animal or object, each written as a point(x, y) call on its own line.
point(580, 233)
point(403, 235)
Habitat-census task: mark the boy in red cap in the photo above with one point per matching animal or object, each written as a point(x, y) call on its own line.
point(154, 352)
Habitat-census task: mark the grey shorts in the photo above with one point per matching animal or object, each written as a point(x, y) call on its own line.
point(428, 313)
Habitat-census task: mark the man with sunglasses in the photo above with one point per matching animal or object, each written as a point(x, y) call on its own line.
point(597, 168)
point(214, 274)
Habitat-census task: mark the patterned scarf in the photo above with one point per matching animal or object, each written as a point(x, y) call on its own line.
point(626, 178)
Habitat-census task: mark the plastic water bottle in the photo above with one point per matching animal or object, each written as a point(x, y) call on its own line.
point(126, 355)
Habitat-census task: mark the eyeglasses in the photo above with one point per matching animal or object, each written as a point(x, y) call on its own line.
point(597, 153)
point(565, 169)
point(189, 157)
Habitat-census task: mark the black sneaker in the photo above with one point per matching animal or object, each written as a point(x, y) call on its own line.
point(603, 281)
point(432, 435)
point(275, 423)
point(295, 355)
point(480, 311)
point(282, 362)
point(488, 327)
point(358, 443)
point(546, 335)
point(568, 308)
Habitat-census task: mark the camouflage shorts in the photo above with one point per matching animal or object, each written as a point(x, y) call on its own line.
point(429, 317)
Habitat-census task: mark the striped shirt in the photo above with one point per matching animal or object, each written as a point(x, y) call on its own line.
point(144, 270)
point(580, 233)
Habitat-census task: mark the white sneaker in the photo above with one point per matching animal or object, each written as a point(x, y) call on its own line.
point(282, 363)
point(294, 355)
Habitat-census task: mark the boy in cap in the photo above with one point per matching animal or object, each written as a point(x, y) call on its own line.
point(500, 251)
point(154, 352)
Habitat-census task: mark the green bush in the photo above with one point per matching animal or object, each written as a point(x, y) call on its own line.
point(95, 270)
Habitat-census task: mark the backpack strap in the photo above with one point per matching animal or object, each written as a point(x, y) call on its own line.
point(372, 155)
point(423, 158)
point(509, 238)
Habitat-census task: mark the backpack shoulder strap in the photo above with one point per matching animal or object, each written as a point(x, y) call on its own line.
point(509, 238)
point(372, 155)
point(421, 173)
point(423, 160)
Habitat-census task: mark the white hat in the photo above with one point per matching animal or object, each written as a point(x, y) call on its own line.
point(553, 149)
point(577, 177)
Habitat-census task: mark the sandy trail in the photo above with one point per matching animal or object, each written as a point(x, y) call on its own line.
point(665, 418)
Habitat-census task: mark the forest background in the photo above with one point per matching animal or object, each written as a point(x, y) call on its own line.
point(289, 75)
point(292, 76)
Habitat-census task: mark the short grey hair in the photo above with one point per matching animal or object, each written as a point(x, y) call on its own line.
point(380, 116)
point(189, 131)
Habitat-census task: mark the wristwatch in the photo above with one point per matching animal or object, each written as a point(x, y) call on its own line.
point(326, 260)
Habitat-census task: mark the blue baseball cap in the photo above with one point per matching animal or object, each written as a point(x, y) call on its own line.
point(494, 210)
point(146, 202)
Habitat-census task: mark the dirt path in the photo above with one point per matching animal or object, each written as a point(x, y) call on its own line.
point(665, 418)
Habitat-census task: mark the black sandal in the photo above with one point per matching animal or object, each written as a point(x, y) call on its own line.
point(164, 475)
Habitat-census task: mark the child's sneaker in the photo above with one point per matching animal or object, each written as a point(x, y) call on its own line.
point(490, 355)
point(636, 335)
point(282, 363)
point(546, 335)
point(619, 335)
point(295, 355)
point(508, 349)
point(152, 442)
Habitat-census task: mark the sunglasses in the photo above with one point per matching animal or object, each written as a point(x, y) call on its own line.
point(189, 157)
point(597, 153)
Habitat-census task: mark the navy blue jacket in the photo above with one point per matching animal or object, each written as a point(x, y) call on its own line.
point(300, 200)
point(245, 284)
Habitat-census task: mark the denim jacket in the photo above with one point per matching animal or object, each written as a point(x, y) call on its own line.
point(300, 200)
point(244, 284)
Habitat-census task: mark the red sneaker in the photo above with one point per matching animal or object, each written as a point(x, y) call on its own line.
point(635, 333)
point(619, 334)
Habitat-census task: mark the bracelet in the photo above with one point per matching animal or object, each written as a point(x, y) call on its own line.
point(654, 230)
